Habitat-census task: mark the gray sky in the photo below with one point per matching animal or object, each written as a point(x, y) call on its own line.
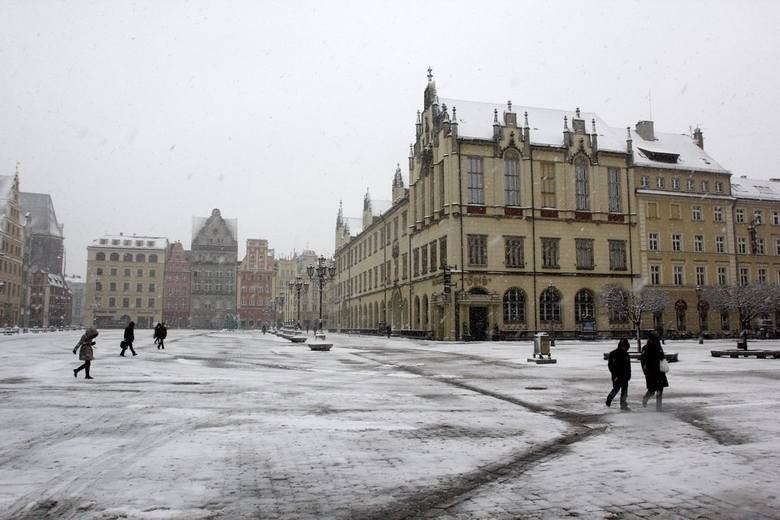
point(135, 116)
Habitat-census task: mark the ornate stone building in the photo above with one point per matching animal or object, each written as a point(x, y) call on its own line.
point(11, 252)
point(177, 289)
point(289, 269)
point(255, 285)
point(77, 286)
point(213, 263)
point(125, 276)
point(516, 218)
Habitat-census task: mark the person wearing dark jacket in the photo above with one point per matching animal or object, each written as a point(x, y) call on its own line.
point(129, 338)
point(162, 336)
point(652, 354)
point(86, 354)
point(157, 329)
point(620, 368)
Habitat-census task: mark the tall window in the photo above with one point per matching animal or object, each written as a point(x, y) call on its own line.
point(644, 182)
point(513, 251)
point(696, 213)
point(443, 250)
point(550, 253)
point(744, 276)
point(677, 271)
point(476, 181)
point(675, 183)
point(655, 275)
point(739, 217)
point(550, 305)
point(652, 210)
point(583, 305)
point(434, 262)
point(584, 250)
point(514, 306)
point(581, 188)
point(659, 182)
point(760, 249)
point(698, 243)
point(617, 255)
point(689, 185)
point(424, 259)
point(720, 244)
point(548, 185)
point(742, 245)
point(701, 275)
point(511, 180)
point(416, 262)
point(652, 241)
point(613, 184)
point(761, 275)
point(404, 266)
point(477, 249)
point(717, 214)
point(723, 277)
point(676, 242)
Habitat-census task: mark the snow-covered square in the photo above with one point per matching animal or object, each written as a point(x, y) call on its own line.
point(246, 425)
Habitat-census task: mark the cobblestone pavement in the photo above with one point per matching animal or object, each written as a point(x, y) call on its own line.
point(250, 426)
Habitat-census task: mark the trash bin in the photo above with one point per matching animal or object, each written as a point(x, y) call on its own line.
point(541, 344)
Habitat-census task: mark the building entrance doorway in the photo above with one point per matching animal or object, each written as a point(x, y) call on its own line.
point(478, 321)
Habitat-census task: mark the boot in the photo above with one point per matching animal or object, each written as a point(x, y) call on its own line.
point(659, 402)
point(645, 398)
point(609, 400)
point(75, 372)
point(86, 370)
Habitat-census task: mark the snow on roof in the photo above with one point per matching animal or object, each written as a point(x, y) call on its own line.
point(378, 207)
point(757, 189)
point(43, 218)
point(689, 155)
point(130, 242)
point(199, 222)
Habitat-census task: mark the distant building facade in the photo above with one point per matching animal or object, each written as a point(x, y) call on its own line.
point(255, 285)
point(77, 286)
point(289, 270)
point(213, 263)
point(50, 300)
point(11, 251)
point(177, 293)
point(125, 278)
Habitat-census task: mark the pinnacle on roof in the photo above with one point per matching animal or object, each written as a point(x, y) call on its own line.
point(398, 181)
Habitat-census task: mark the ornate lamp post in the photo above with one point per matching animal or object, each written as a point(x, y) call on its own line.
point(296, 286)
point(322, 274)
point(552, 298)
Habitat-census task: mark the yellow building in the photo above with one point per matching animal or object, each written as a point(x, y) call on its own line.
point(10, 252)
point(286, 298)
point(125, 277)
point(533, 212)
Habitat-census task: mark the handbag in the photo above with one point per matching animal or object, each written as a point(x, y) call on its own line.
point(663, 366)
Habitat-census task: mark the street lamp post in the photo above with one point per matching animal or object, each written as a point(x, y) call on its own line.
point(296, 286)
point(552, 295)
point(322, 274)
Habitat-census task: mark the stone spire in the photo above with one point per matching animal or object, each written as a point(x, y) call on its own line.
point(398, 184)
point(429, 97)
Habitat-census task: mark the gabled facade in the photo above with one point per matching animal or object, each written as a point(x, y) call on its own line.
point(177, 289)
point(213, 264)
point(255, 285)
point(11, 250)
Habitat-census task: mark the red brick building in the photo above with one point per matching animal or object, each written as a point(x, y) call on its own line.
point(177, 291)
point(255, 285)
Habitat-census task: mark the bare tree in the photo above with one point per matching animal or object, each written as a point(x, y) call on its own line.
point(633, 303)
point(748, 301)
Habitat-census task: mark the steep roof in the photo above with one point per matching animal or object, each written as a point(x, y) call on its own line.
point(688, 156)
point(43, 218)
point(756, 189)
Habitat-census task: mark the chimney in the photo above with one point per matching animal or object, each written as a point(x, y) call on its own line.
point(645, 130)
point(698, 138)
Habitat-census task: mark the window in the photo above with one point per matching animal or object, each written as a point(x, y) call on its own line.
point(723, 277)
point(758, 216)
point(652, 210)
point(100, 257)
point(760, 246)
point(720, 244)
point(126, 287)
point(443, 250)
point(476, 182)
point(744, 276)
point(127, 257)
point(741, 246)
point(416, 262)
point(689, 185)
point(112, 287)
point(676, 183)
point(548, 185)
point(113, 271)
point(581, 187)
point(140, 258)
point(583, 305)
point(477, 249)
point(617, 255)
point(127, 272)
point(403, 223)
point(718, 187)
point(99, 271)
point(404, 266)
point(761, 275)
point(112, 302)
point(511, 181)
point(152, 259)
point(659, 182)
point(678, 275)
point(696, 213)
point(717, 214)
point(424, 259)
point(674, 211)
point(138, 303)
point(655, 275)
point(701, 275)
point(513, 252)
point(514, 306)
point(114, 257)
point(644, 182)
point(125, 302)
point(98, 286)
point(151, 302)
point(740, 216)
point(613, 185)
point(434, 263)
point(676, 242)
point(550, 305)
point(652, 241)
point(151, 287)
point(777, 246)
point(705, 186)
point(550, 253)
point(139, 287)
point(698, 243)
point(776, 218)
point(584, 251)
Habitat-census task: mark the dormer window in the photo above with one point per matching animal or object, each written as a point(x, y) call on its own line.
point(659, 156)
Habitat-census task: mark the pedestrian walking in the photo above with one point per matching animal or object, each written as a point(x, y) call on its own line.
point(162, 336)
point(157, 334)
point(652, 358)
point(619, 365)
point(127, 343)
point(86, 354)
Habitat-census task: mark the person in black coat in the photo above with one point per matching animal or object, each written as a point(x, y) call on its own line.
point(620, 368)
point(652, 354)
point(162, 336)
point(129, 338)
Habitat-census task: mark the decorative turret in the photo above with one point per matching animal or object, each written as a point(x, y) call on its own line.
point(342, 229)
point(594, 138)
point(454, 123)
point(411, 157)
point(418, 125)
point(398, 185)
point(496, 126)
point(566, 132)
point(510, 118)
point(629, 146)
point(368, 216)
point(577, 123)
point(698, 138)
point(430, 91)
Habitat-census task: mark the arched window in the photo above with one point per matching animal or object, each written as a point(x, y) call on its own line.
point(100, 257)
point(511, 179)
point(581, 188)
point(514, 305)
point(127, 257)
point(152, 259)
point(114, 257)
point(583, 305)
point(416, 313)
point(550, 305)
point(140, 257)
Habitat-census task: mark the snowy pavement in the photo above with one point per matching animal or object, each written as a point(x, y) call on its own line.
point(241, 425)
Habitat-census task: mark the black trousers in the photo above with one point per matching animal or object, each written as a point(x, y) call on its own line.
point(85, 366)
point(619, 385)
point(128, 345)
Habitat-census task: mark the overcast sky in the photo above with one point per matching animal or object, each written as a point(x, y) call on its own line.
point(137, 116)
